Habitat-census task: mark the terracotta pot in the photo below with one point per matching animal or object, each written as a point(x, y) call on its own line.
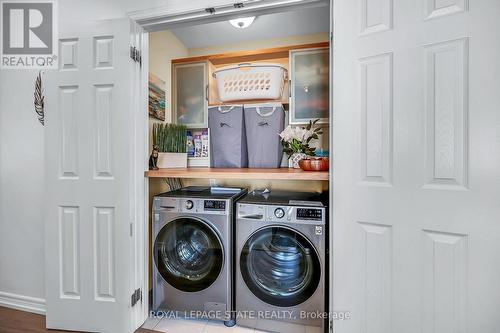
point(314, 164)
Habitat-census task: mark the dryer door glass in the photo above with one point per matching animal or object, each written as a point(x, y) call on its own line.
point(280, 266)
point(188, 254)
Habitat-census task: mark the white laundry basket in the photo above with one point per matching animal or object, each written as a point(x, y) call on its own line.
point(251, 81)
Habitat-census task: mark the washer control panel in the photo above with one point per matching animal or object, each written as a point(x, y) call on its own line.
point(214, 205)
point(191, 205)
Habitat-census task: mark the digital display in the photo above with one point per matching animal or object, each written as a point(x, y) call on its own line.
point(309, 214)
point(214, 205)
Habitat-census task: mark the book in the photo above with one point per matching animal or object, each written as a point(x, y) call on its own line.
point(197, 144)
point(190, 144)
point(205, 144)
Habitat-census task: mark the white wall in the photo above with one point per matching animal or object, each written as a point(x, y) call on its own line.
point(163, 47)
point(22, 155)
point(21, 189)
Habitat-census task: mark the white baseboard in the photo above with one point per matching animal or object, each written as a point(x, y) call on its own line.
point(23, 303)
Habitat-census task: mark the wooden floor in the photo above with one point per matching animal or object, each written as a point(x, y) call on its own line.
point(13, 321)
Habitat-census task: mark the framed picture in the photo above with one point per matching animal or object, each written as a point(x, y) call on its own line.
point(156, 97)
point(310, 95)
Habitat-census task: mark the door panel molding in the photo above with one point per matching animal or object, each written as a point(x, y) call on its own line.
point(68, 50)
point(444, 282)
point(446, 133)
point(376, 119)
point(376, 16)
point(103, 95)
point(68, 96)
point(69, 252)
point(433, 10)
point(377, 276)
point(104, 254)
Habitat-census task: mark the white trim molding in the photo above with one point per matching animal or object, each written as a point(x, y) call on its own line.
point(168, 17)
point(23, 303)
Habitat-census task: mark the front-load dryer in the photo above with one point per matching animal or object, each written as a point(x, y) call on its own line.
point(281, 244)
point(192, 252)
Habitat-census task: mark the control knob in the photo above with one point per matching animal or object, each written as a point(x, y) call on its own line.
point(279, 213)
point(189, 204)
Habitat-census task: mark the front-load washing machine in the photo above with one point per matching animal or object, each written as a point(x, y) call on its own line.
point(281, 243)
point(192, 252)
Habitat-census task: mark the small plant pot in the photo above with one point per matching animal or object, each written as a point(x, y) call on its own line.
point(172, 160)
point(294, 160)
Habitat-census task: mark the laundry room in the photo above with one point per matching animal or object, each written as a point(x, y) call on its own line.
point(239, 114)
point(250, 166)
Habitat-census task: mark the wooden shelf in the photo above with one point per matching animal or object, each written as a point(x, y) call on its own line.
point(245, 173)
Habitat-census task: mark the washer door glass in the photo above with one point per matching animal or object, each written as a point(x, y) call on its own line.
point(188, 254)
point(280, 266)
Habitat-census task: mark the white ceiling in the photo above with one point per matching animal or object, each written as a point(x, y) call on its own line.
point(301, 22)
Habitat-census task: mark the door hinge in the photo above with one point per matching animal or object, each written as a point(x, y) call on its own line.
point(330, 325)
point(136, 297)
point(135, 55)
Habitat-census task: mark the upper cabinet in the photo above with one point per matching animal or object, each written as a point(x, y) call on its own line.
point(190, 95)
point(194, 87)
point(309, 75)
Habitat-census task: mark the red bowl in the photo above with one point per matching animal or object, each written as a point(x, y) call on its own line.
point(314, 164)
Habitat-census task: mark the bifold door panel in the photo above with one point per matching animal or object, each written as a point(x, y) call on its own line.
point(89, 178)
point(415, 134)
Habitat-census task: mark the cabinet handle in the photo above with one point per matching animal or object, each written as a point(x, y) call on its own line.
point(206, 92)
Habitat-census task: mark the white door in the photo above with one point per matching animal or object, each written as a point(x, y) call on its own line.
point(416, 193)
point(92, 180)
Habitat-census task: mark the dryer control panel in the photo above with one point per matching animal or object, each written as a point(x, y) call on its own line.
point(310, 214)
point(290, 214)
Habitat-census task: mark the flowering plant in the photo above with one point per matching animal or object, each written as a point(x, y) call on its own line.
point(297, 139)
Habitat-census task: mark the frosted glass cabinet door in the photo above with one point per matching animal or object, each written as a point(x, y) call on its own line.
point(309, 72)
point(190, 94)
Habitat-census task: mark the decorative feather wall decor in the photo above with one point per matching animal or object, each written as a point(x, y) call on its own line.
point(39, 99)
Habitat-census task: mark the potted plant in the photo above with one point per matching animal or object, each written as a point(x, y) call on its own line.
point(171, 142)
point(296, 140)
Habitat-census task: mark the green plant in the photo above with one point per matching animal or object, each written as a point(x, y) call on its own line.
point(297, 139)
point(170, 138)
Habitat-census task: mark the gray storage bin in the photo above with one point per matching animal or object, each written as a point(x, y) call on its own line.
point(264, 123)
point(227, 137)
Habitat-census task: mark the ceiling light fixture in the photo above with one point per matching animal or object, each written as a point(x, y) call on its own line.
point(242, 23)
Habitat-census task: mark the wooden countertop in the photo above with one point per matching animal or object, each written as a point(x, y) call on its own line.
point(236, 173)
